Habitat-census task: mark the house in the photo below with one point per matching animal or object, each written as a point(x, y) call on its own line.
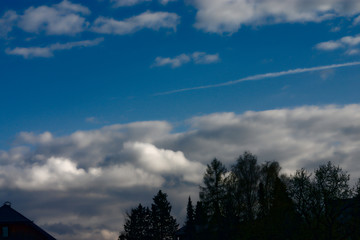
point(14, 226)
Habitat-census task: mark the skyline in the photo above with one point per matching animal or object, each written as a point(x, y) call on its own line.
point(105, 102)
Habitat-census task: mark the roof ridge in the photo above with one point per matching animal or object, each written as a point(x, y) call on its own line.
point(8, 214)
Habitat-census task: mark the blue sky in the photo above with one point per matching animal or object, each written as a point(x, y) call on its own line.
point(78, 74)
point(114, 80)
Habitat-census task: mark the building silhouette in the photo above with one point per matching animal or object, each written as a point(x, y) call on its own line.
point(14, 226)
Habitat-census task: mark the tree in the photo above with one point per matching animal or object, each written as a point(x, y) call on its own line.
point(282, 220)
point(305, 199)
point(137, 224)
point(331, 184)
point(213, 193)
point(190, 220)
point(163, 225)
point(356, 191)
point(200, 218)
point(318, 199)
point(269, 174)
point(245, 176)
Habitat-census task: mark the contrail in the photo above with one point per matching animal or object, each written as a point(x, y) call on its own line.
point(262, 76)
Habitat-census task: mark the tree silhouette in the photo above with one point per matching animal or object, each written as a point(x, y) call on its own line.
point(201, 221)
point(320, 200)
point(255, 202)
point(137, 224)
point(190, 220)
point(331, 184)
point(246, 176)
point(163, 225)
point(212, 195)
point(269, 174)
point(282, 220)
point(200, 214)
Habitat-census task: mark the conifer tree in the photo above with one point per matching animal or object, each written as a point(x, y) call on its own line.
point(213, 193)
point(163, 225)
point(201, 222)
point(190, 220)
point(200, 217)
point(137, 224)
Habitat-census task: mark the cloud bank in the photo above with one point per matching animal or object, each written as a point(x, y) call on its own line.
point(78, 186)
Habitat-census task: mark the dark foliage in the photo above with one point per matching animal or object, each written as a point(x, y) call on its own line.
point(137, 224)
point(164, 225)
point(190, 221)
point(212, 195)
point(155, 224)
point(254, 201)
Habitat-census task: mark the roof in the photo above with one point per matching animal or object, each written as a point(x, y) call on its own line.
point(10, 215)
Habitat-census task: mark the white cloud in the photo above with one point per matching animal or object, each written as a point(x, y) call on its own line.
point(85, 160)
point(81, 184)
point(70, 45)
point(164, 161)
point(300, 137)
point(7, 22)
point(348, 42)
point(56, 173)
point(46, 52)
point(63, 174)
point(203, 58)
point(227, 16)
point(66, 6)
point(357, 20)
point(196, 57)
point(165, 2)
point(30, 52)
point(353, 51)
point(127, 3)
point(31, 138)
point(66, 18)
point(329, 45)
point(62, 18)
point(173, 62)
point(153, 150)
point(150, 20)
